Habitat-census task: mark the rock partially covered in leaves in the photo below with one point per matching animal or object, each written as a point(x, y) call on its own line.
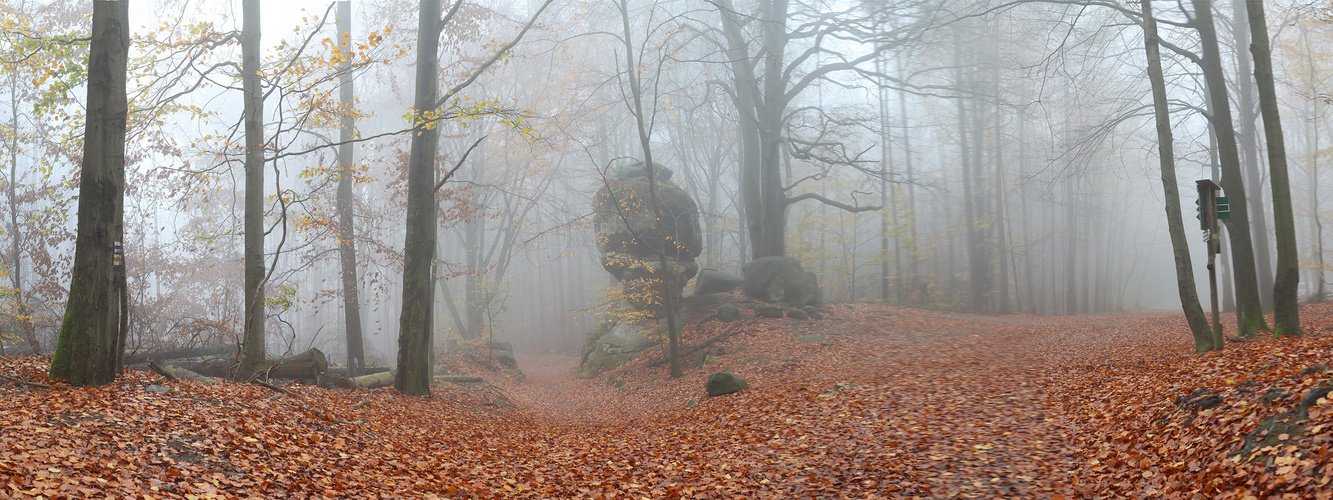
point(725, 383)
point(781, 279)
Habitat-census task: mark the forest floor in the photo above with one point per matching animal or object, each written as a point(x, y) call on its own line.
point(870, 402)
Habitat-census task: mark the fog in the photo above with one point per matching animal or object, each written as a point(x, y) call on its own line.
point(986, 157)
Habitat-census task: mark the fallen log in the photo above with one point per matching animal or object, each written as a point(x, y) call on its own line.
point(342, 370)
point(175, 372)
point(461, 379)
point(307, 365)
point(189, 352)
point(374, 380)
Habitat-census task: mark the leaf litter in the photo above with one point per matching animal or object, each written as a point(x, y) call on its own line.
point(892, 403)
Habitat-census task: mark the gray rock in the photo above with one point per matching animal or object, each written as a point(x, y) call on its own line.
point(767, 278)
point(157, 389)
point(813, 312)
point(810, 338)
point(781, 279)
point(502, 345)
point(615, 347)
point(797, 314)
point(504, 358)
point(727, 313)
point(714, 281)
point(623, 339)
point(767, 311)
point(724, 383)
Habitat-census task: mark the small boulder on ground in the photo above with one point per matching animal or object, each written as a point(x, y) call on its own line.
point(767, 311)
point(727, 313)
point(724, 383)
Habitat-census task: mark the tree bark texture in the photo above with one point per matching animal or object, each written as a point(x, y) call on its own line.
point(252, 351)
point(1286, 300)
point(1249, 313)
point(414, 330)
point(88, 348)
point(1189, 297)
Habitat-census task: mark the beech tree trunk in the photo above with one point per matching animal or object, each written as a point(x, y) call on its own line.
point(414, 330)
point(89, 348)
point(1286, 300)
point(356, 357)
point(1204, 339)
point(1249, 313)
point(252, 351)
point(1249, 152)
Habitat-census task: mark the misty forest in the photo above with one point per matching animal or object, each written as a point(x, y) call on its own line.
point(665, 249)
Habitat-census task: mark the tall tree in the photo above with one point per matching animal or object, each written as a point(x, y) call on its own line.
point(1205, 339)
point(1249, 313)
point(253, 346)
point(1248, 139)
point(414, 333)
point(90, 345)
point(1286, 317)
point(346, 236)
point(765, 82)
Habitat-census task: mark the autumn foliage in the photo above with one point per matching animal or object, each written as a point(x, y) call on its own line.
point(871, 402)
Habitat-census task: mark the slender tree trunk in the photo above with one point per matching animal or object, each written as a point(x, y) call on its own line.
point(356, 356)
point(1001, 234)
point(15, 233)
point(414, 330)
point(884, 156)
point(913, 273)
point(1316, 225)
point(1071, 250)
point(976, 296)
point(1249, 313)
point(253, 352)
point(1286, 300)
point(1249, 149)
point(668, 269)
point(1189, 298)
point(89, 348)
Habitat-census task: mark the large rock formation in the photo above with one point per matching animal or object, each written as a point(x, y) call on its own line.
point(629, 241)
point(630, 246)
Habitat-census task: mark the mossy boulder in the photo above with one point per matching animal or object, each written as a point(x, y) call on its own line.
point(613, 345)
point(725, 383)
point(781, 279)
point(727, 313)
